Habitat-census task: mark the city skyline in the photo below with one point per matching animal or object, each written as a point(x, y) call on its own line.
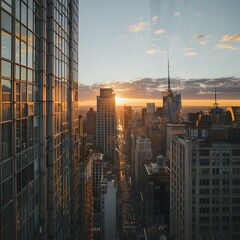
point(126, 43)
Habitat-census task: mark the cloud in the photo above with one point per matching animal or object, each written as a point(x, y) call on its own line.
point(154, 19)
point(159, 31)
point(152, 51)
point(198, 36)
point(225, 46)
point(190, 52)
point(177, 14)
point(138, 27)
point(233, 37)
point(201, 38)
point(227, 88)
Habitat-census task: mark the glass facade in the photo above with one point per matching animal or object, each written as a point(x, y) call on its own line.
point(39, 119)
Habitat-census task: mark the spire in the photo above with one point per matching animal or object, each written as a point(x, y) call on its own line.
point(216, 104)
point(169, 87)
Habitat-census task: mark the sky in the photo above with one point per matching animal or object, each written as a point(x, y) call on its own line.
point(124, 44)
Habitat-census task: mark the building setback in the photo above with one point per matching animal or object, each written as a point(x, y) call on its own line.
point(39, 169)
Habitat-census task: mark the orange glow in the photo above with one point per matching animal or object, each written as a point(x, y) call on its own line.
point(120, 101)
point(139, 102)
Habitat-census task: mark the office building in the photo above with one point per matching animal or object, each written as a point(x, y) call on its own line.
point(97, 178)
point(127, 117)
point(156, 198)
point(204, 186)
point(172, 104)
point(108, 208)
point(143, 154)
point(90, 126)
point(106, 123)
point(39, 120)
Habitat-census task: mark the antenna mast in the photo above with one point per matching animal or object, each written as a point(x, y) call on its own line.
point(169, 87)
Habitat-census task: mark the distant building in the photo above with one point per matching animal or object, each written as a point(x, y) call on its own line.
point(127, 117)
point(106, 123)
point(205, 180)
point(90, 126)
point(143, 154)
point(235, 114)
point(151, 108)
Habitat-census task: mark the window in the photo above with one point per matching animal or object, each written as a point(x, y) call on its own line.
point(7, 191)
point(6, 140)
point(6, 21)
point(6, 68)
point(6, 87)
point(6, 46)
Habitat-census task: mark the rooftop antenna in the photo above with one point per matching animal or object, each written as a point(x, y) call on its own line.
point(169, 87)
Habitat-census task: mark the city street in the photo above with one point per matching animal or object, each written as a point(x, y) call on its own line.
point(126, 202)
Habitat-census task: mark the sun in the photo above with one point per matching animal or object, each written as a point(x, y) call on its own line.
point(119, 100)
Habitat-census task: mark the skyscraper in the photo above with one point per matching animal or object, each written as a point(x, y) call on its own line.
point(106, 123)
point(39, 119)
point(172, 105)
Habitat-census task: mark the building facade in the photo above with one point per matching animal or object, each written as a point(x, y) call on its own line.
point(204, 195)
point(106, 132)
point(39, 119)
point(143, 154)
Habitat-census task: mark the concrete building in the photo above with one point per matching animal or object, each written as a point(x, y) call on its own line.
point(106, 123)
point(173, 130)
point(39, 168)
point(156, 198)
point(156, 194)
point(143, 154)
point(109, 208)
point(204, 181)
point(97, 178)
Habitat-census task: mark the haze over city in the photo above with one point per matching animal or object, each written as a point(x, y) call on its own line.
point(124, 45)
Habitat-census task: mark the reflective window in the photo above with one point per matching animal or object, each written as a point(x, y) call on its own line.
point(6, 68)
point(6, 111)
point(6, 140)
point(23, 53)
point(23, 13)
point(6, 21)
point(6, 86)
point(6, 47)
point(24, 92)
point(17, 50)
point(30, 93)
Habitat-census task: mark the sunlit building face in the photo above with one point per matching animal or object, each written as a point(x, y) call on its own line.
point(38, 117)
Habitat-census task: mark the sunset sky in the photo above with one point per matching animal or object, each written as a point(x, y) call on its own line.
point(123, 45)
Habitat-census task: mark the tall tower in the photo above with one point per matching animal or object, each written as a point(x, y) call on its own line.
point(172, 105)
point(38, 119)
point(106, 123)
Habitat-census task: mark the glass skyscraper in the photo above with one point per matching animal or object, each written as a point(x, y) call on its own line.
point(39, 119)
